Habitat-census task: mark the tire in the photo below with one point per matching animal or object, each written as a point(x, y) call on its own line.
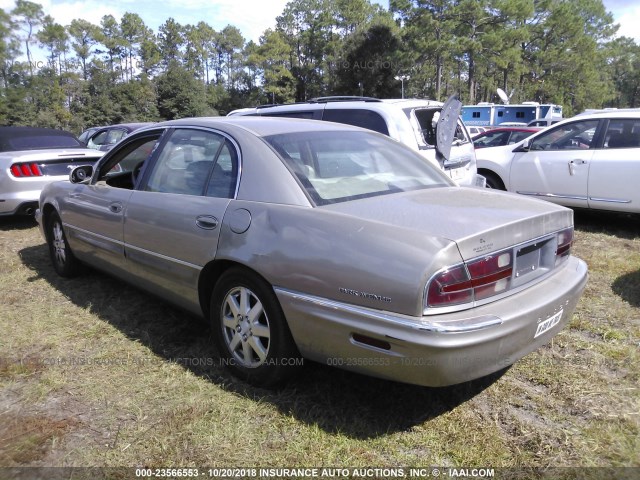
point(64, 262)
point(250, 330)
point(493, 181)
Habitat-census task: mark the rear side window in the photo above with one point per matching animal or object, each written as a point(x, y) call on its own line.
point(307, 115)
point(358, 118)
point(623, 133)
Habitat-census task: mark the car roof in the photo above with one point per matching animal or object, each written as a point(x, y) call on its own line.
point(614, 113)
point(7, 132)
point(127, 126)
point(368, 103)
point(261, 126)
point(513, 129)
point(412, 102)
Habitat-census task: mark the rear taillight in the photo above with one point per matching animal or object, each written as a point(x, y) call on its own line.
point(498, 272)
point(475, 280)
point(21, 170)
point(565, 240)
point(450, 287)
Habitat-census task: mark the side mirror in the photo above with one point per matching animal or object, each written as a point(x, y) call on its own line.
point(81, 174)
point(523, 147)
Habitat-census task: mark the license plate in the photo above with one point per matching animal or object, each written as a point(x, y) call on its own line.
point(548, 324)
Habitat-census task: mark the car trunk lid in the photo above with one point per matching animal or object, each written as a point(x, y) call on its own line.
point(478, 221)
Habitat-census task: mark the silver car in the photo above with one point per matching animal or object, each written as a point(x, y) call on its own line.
point(32, 157)
point(304, 239)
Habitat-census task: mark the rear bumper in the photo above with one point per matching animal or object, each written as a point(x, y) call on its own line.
point(17, 207)
point(424, 351)
point(18, 196)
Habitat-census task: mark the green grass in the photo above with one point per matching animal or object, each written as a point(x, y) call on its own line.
point(96, 373)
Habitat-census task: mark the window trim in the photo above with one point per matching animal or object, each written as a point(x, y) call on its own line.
point(146, 173)
point(108, 157)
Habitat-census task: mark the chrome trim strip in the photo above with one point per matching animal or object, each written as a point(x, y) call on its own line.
point(608, 200)
point(463, 325)
point(163, 257)
point(93, 234)
point(552, 195)
point(126, 245)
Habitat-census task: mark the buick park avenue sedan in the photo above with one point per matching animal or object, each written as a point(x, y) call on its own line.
point(297, 238)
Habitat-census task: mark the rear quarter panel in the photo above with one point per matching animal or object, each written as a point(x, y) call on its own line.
point(336, 256)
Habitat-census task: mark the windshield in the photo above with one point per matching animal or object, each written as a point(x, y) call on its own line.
point(336, 166)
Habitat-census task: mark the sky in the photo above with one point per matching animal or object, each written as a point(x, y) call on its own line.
point(252, 17)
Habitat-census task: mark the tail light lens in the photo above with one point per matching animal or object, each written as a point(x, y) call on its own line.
point(21, 170)
point(451, 287)
point(493, 274)
point(565, 240)
point(475, 280)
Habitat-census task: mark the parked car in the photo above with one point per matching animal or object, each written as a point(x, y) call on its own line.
point(589, 161)
point(84, 136)
point(299, 238)
point(474, 131)
point(542, 122)
point(502, 136)
point(32, 157)
point(411, 122)
point(104, 138)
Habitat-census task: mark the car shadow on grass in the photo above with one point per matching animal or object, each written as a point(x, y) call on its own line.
point(627, 287)
point(20, 222)
point(336, 401)
point(621, 225)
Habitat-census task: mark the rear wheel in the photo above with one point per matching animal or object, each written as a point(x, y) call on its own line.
point(64, 262)
point(250, 330)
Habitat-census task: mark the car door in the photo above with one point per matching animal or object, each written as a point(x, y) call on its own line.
point(94, 212)
point(555, 166)
point(614, 171)
point(173, 218)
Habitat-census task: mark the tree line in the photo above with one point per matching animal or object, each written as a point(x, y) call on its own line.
point(555, 51)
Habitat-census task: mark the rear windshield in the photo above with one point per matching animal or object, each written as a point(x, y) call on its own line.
point(37, 142)
point(334, 166)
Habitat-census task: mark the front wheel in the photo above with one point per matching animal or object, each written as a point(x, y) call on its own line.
point(493, 181)
point(64, 262)
point(250, 330)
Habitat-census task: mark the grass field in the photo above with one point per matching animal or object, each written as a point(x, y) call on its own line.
point(96, 373)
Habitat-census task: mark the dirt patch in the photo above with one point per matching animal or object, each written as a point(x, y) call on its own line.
point(25, 439)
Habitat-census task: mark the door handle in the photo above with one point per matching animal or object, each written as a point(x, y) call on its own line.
point(115, 207)
point(207, 222)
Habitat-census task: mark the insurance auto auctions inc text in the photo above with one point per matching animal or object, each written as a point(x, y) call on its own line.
point(399, 472)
